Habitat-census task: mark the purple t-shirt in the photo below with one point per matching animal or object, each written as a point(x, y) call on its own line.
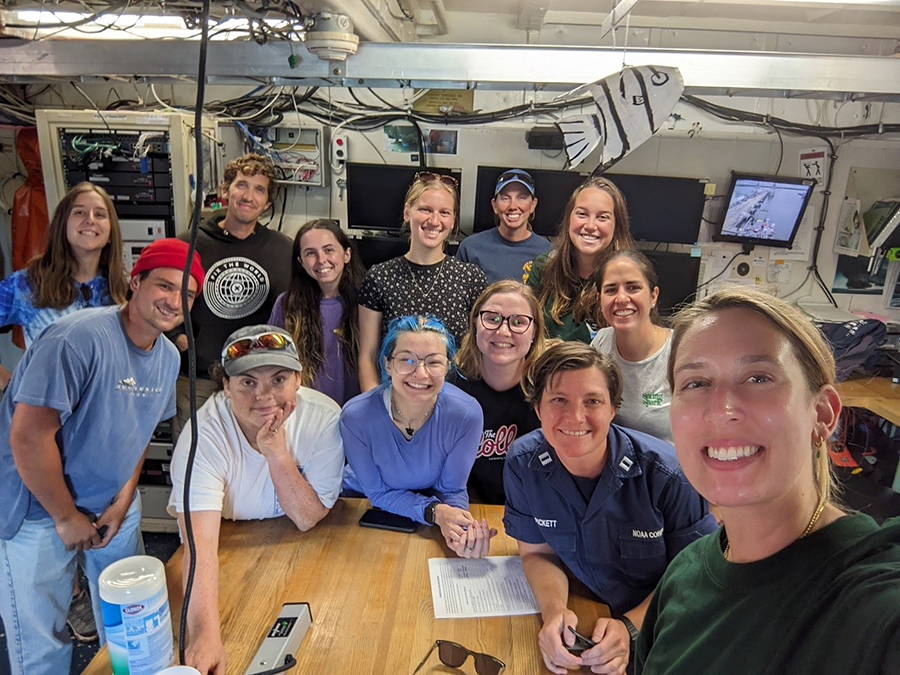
point(333, 379)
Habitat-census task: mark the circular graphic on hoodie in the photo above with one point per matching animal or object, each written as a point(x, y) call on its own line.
point(235, 287)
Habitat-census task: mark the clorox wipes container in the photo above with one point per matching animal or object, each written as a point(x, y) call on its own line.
point(136, 616)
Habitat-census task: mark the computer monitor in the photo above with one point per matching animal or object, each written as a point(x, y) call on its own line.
point(678, 275)
point(661, 208)
point(375, 194)
point(764, 210)
point(553, 190)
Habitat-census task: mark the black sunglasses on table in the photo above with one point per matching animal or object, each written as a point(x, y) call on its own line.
point(453, 654)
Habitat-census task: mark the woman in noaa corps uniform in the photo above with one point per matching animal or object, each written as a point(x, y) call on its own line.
point(609, 504)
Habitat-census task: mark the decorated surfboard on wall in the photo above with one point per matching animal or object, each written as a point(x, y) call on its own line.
point(630, 106)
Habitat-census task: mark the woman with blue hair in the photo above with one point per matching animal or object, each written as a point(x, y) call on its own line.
point(411, 442)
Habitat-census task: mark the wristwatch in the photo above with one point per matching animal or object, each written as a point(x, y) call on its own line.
point(633, 630)
point(429, 512)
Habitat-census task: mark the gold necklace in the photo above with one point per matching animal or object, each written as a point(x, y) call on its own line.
point(809, 527)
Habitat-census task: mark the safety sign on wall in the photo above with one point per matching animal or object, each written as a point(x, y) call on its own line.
point(813, 165)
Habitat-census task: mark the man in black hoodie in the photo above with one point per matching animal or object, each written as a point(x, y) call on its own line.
point(247, 265)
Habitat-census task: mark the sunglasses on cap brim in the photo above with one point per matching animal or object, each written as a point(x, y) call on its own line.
point(262, 341)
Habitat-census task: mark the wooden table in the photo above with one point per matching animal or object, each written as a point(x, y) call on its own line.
point(877, 394)
point(369, 593)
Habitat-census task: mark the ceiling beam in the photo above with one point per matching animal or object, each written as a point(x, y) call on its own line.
point(498, 67)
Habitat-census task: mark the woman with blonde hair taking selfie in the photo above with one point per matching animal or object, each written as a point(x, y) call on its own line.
point(791, 583)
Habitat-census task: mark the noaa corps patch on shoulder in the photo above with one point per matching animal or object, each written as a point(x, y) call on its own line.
point(235, 287)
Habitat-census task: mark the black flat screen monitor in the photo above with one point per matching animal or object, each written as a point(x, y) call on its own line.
point(764, 210)
point(678, 274)
point(661, 209)
point(553, 189)
point(375, 194)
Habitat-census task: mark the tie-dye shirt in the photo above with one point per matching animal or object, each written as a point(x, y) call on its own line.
point(16, 306)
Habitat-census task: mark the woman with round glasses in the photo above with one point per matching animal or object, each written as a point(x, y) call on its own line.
point(595, 220)
point(266, 447)
point(506, 335)
point(425, 281)
point(792, 582)
point(587, 497)
point(629, 289)
point(411, 442)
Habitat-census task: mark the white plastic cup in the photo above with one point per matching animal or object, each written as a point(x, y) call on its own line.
point(179, 670)
point(136, 616)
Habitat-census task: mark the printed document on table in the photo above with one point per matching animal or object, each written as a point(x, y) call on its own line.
point(466, 588)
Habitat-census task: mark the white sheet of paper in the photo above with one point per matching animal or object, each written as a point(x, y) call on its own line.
point(466, 588)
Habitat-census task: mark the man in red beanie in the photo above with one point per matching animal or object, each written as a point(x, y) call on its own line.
point(75, 424)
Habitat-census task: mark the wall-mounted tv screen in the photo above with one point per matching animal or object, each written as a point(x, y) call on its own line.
point(375, 194)
point(764, 210)
point(662, 209)
point(552, 189)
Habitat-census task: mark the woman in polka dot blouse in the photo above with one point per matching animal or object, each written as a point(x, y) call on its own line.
point(425, 281)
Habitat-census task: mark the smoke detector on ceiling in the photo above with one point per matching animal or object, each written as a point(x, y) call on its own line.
point(331, 37)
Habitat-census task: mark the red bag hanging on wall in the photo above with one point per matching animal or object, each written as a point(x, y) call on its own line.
point(30, 220)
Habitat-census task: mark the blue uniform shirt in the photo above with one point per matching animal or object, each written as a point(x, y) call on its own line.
point(641, 514)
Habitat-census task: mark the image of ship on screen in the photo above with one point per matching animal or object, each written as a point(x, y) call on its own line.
point(764, 210)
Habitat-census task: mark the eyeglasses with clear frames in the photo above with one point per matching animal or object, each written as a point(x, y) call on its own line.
point(517, 323)
point(453, 655)
point(406, 363)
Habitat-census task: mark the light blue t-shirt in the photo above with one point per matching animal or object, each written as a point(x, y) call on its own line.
point(500, 258)
point(110, 396)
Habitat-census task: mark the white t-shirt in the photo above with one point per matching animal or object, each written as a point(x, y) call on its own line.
point(646, 397)
point(231, 477)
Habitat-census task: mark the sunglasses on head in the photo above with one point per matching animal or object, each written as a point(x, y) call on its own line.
point(453, 654)
point(243, 346)
point(428, 176)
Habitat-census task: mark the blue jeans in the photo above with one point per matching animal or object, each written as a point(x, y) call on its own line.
point(36, 574)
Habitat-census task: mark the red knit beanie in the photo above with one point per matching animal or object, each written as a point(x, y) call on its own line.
point(169, 253)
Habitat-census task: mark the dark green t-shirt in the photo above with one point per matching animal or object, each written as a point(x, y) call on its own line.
point(828, 604)
point(568, 329)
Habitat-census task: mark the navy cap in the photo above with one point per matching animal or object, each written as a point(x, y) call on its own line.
point(515, 176)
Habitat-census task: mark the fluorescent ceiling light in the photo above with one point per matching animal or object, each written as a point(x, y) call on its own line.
point(42, 23)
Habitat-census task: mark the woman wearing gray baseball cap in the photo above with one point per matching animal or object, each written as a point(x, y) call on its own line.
point(266, 447)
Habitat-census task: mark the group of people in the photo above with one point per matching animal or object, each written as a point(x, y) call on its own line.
point(522, 372)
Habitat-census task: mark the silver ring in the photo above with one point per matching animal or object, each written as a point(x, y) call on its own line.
point(470, 548)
